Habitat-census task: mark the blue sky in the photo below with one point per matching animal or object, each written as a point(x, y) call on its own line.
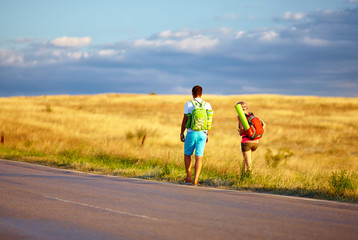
point(306, 47)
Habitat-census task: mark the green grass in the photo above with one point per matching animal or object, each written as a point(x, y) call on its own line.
point(338, 186)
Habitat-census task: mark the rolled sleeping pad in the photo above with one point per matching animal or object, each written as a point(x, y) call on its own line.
point(242, 116)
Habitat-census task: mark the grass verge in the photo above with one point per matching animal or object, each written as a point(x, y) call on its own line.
point(339, 185)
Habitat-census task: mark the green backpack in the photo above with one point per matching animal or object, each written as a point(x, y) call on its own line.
point(200, 118)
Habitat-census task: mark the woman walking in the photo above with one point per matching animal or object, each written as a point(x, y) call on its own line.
point(248, 146)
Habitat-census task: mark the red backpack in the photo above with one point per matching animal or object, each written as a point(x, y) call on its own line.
point(256, 129)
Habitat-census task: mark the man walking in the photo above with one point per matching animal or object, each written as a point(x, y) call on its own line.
point(197, 133)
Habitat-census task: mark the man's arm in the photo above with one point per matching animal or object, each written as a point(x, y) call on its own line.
point(183, 124)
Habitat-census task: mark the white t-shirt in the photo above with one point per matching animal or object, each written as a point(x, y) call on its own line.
point(189, 108)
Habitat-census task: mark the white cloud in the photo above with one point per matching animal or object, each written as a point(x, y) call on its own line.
point(197, 42)
point(9, 57)
point(74, 55)
point(293, 16)
point(151, 43)
point(268, 36)
point(239, 34)
point(315, 41)
point(353, 0)
point(59, 55)
point(178, 34)
point(71, 41)
point(225, 30)
point(193, 43)
point(107, 52)
point(165, 34)
point(111, 53)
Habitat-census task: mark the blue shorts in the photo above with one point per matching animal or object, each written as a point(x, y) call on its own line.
point(195, 140)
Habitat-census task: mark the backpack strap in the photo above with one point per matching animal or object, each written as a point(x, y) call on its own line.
point(197, 103)
point(194, 102)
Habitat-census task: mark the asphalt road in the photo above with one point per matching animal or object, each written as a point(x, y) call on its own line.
point(38, 202)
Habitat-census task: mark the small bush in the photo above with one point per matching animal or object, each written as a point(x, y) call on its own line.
point(129, 135)
point(71, 153)
point(273, 160)
point(48, 108)
point(342, 181)
point(139, 133)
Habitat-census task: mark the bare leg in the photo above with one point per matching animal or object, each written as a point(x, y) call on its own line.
point(198, 166)
point(188, 166)
point(247, 161)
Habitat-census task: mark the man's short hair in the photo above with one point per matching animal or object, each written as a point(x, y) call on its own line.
point(197, 91)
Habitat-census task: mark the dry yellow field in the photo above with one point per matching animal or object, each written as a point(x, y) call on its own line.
point(319, 134)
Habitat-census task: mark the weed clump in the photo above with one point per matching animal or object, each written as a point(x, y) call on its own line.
point(48, 108)
point(343, 181)
point(273, 160)
point(139, 133)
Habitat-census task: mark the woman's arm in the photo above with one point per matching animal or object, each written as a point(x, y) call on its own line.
point(240, 126)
